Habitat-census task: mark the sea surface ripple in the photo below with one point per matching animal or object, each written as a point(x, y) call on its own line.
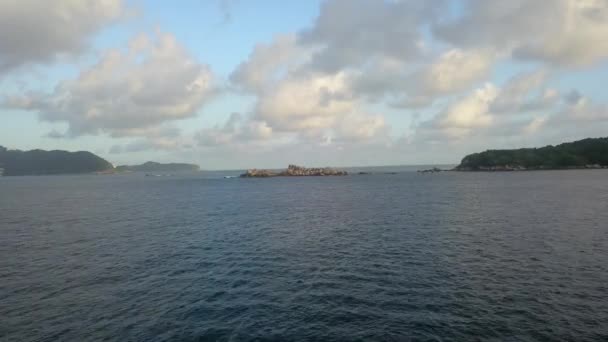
point(381, 257)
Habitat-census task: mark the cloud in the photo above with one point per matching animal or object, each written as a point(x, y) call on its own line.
point(310, 107)
point(236, 130)
point(362, 128)
point(573, 97)
point(526, 92)
point(462, 117)
point(420, 84)
point(582, 111)
point(139, 145)
point(55, 134)
point(164, 137)
point(315, 108)
point(523, 108)
point(560, 32)
point(362, 71)
point(576, 117)
point(267, 63)
point(455, 70)
point(316, 84)
point(128, 92)
point(226, 8)
point(535, 125)
point(116, 149)
point(349, 33)
point(381, 76)
point(41, 31)
point(305, 103)
point(492, 111)
point(375, 50)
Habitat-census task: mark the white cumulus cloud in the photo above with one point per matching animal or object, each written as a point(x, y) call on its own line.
point(128, 92)
point(33, 31)
point(560, 32)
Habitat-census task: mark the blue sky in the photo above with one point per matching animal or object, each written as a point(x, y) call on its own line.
point(235, 83)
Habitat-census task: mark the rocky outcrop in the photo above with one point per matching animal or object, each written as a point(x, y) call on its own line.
point(259, 173)
point(433, 170)
point(294, 171)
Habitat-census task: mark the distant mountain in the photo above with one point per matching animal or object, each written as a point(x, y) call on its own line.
point(586, 153)
point(40, 162)
point(158, 167)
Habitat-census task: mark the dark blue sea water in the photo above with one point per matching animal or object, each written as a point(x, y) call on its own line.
point(443, 257)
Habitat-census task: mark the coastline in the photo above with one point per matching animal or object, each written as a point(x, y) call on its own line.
point(523, 169)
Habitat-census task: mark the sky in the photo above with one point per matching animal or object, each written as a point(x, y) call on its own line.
point(233, 84)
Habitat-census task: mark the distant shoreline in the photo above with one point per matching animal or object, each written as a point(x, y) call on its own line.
point(591, 153)
point(527, 170)
point(513, 170)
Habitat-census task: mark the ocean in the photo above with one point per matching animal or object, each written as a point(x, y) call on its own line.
point(519, 256)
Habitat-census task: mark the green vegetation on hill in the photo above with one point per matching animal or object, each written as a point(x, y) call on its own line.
point(586, 153)
point(39, 162)
point(158, 167)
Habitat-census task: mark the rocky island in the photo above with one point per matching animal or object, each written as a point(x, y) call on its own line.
point(433, 170)
point(591, 153)
point(294, 171)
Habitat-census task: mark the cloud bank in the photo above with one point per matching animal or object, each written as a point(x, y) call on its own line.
point(34, 31)
point(128, 92)
point(395, 77)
